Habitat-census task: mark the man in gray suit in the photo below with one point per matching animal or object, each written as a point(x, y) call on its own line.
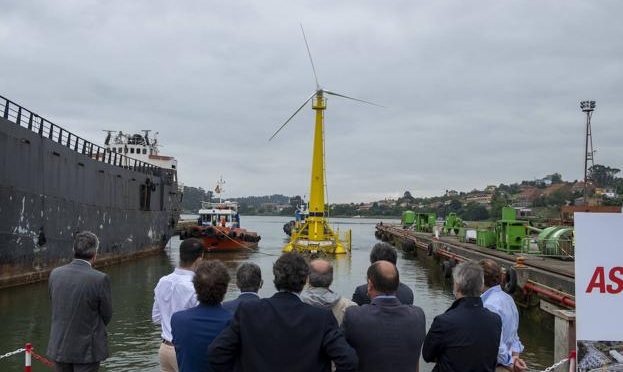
point(386, 334)
point(81, 309)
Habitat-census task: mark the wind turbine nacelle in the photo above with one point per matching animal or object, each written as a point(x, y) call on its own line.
point(319, 102)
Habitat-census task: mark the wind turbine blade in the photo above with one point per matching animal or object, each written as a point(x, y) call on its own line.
point(290, 118)
point(354, 99)
point(310, 58)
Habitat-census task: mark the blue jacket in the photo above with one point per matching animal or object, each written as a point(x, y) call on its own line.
point(464, 339)
point(193, 331)
point(281, 333)
point(244, 297)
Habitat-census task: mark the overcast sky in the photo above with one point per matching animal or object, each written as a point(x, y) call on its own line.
point(477, 92)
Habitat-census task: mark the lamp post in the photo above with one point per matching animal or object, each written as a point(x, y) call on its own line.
point(588, 107)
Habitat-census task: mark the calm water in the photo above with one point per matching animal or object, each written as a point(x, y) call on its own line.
point(134, 340)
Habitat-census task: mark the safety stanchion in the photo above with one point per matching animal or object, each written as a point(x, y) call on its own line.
point(572, 361)
point(28, 358)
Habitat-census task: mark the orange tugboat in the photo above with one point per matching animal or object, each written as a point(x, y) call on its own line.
point(219, 228)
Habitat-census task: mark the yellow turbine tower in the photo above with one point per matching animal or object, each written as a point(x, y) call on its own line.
point(316, 235)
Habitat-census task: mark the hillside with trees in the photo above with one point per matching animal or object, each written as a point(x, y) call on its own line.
point(541, 198)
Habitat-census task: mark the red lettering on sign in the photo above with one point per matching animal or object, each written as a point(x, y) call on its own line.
point(617, 280)
point(597, 281)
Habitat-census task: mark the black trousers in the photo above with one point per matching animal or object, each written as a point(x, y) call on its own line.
point(75, 367)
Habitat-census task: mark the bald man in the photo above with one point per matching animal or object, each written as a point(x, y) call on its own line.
point(386, 334)
point(319, 294)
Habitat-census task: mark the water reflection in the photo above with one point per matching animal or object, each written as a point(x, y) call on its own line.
point(134, 340)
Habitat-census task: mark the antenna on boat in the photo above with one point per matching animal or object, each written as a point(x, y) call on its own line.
point(219, 188)
point(108, 135)
point(146, 135)
point(319, 93)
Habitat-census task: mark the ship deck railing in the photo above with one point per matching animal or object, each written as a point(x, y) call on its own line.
point(25, 118)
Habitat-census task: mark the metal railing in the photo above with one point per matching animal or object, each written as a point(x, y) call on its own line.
point(48, 130)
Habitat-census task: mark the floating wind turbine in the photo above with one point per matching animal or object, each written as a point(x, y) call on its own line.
point(315, 235)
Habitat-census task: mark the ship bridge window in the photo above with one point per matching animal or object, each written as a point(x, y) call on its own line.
point(144, 151)
point(114, 149)
point(132, 150)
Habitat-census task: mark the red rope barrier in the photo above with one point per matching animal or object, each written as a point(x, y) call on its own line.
point(43, 360)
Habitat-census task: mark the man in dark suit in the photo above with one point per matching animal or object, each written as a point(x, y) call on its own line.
point(249, 281)
point(81, 309)
point(195, 328)
point(466, 337)
point(386, 334)
point(281, 333)
point(383, 252)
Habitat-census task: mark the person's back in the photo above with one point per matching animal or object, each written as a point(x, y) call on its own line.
point(175, 292)
point(284, 332)
point(281, 333)
point(466, 337)
point(194, 329)
point(386, 334)
point(81, 309)
point(383, 252)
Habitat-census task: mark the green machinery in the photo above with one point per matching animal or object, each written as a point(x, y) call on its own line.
point(425, 222)
point(556, 241)
point(408, 218)
point(452, 224)
point(485, 238)
point(508, 235)
point(511, 235)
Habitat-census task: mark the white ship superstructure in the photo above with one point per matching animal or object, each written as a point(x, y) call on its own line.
point(140, 147)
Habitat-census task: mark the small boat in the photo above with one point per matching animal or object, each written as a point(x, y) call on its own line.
point(218, 227)
point(300, 216)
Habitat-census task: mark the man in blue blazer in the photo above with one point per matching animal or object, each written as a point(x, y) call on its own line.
point(282, 333)
point(195, 328)
point(249, 281)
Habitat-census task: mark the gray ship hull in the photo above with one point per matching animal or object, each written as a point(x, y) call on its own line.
point(50, 188)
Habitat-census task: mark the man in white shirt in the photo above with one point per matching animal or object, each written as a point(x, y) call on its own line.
point(173, 293)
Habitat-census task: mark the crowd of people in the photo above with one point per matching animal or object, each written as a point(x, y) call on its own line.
point(304, 326)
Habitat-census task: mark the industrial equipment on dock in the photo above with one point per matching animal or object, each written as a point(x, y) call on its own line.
point(452, 223)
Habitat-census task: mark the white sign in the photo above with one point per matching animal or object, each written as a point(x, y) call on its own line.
point(599, 276)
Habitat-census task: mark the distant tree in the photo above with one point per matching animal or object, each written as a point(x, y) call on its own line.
point(296, 201)
point(603, 176)
point(475, 212)
point(498, 201)
point(555, 178)
point(559, 198)
point(407, 196)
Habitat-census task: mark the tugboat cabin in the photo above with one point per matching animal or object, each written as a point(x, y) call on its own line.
point(219, 214)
